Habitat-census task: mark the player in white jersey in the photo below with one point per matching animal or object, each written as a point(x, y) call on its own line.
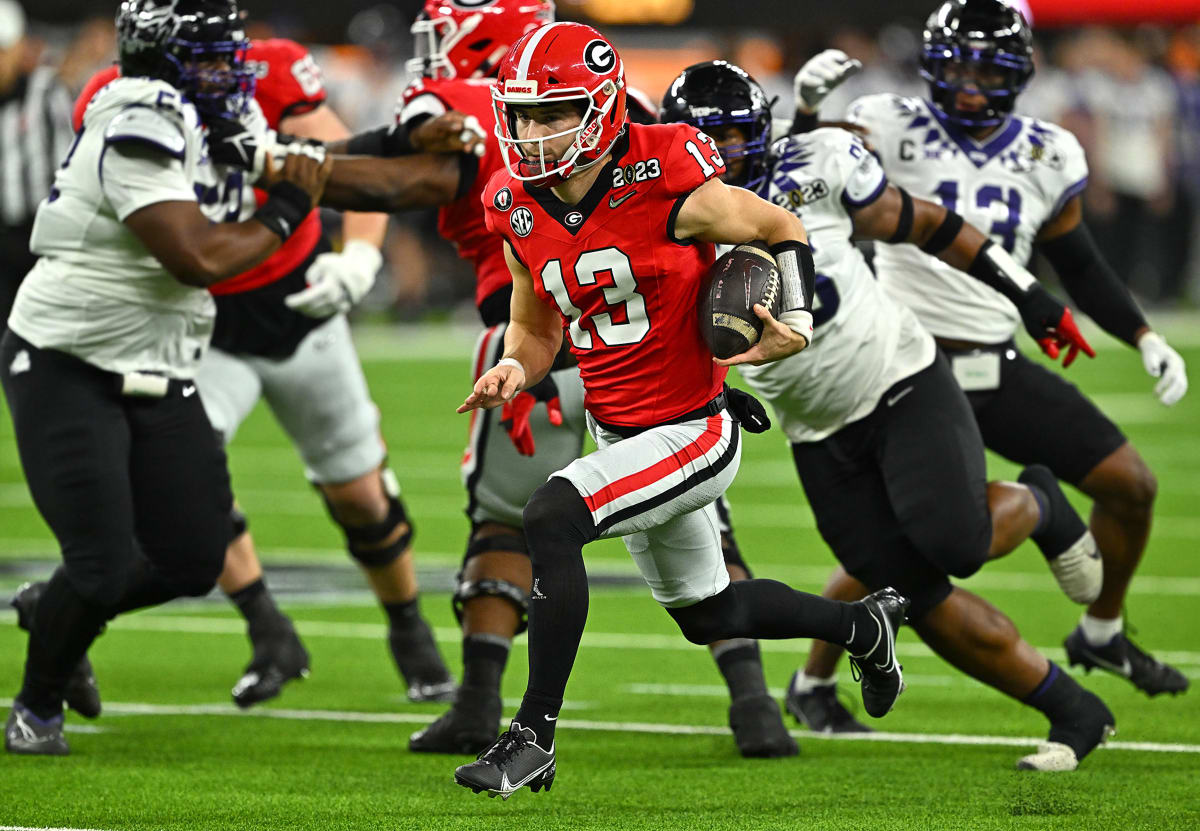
point(1019, 179)
point(883, 439)
point(107, 332)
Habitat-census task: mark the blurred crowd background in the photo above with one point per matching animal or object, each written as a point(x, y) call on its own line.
point(1130, 92)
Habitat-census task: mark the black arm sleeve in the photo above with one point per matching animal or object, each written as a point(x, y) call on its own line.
point(1092, 283)
point(803, 123)
point(383, 141)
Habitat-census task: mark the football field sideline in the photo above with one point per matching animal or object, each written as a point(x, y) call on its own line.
point(352, 717)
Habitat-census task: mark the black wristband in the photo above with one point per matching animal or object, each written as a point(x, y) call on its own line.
point(803, 123)
point(904, 226)
point(383, 141)
point(944, 235)
point(286, 208)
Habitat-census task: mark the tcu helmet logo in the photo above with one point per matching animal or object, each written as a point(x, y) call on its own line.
point(522, 221)
point(503, 199)
point(599, 57)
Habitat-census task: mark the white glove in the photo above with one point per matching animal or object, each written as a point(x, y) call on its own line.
point(820, 76)
point(1164, 363)
point(336, 281)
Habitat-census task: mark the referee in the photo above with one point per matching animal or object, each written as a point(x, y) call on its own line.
point(35, 134)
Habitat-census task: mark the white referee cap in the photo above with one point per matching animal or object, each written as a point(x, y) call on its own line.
point(12, 23)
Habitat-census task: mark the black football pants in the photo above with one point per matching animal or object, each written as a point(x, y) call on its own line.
point(135, 490)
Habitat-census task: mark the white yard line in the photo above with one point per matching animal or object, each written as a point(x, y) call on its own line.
point(228, 710)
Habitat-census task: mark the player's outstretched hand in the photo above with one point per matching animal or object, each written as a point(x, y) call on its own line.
point(1165, 364)
point(305, 165)
point(821, 75)
point(777, 341)
point(451, 132)
point(495, 387)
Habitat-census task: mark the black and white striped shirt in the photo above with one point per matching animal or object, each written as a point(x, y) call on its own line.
point(35, 135)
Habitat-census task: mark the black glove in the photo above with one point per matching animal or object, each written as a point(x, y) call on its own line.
point(232, 145)
point(1052, 325)
point(747, 409)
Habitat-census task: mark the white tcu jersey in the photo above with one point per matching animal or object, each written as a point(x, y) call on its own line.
point(97, 292)
point(863, 341)
point(1008, 186)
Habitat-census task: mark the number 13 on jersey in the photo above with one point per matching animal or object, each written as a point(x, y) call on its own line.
point(620, 319)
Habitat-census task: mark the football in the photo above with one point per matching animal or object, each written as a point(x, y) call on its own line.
point(734, 283)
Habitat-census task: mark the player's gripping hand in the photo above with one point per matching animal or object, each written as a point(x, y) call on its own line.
point(778, 341)
point(451, 132)
point(234, 144)
point(515, 415)
point(495, 387)
point(1164, 363)
point(337, 280)
point(1052, 325)
point(305, 165)
point(821, 75)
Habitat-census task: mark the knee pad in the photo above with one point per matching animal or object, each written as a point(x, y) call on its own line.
point(363, 541)
point(512, 543)
point(556, 515)
point(240, 524)
point(712, 619)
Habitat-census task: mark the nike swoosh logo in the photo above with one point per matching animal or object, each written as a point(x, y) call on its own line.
point(613, 202)
point(891, 402)
point(547, 718)
point(188, 392)
point(1125, 670)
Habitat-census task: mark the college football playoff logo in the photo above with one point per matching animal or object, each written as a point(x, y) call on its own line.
point(522, 221)
point(503, 199)
point(599, 57)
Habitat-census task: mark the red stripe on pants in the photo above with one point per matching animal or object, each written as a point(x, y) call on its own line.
point(659, 470)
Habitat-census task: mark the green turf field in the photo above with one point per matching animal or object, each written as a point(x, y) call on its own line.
point(643, 742)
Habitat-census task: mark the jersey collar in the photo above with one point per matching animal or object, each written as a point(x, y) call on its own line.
point(978, 154)
point(559, 211)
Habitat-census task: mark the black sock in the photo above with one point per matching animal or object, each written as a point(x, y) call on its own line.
point(1057, 696)
point(484, 659)
point(740, 662)
point(413, 645)
point(557, 525)
point(64, 627)
point(258, 606)
point(1059, 526)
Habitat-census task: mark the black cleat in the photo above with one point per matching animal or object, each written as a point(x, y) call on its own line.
point(1123, 657)
point(881, 674)
point(81, 693)
point(29, 735)
point(279, 657)
point(819, 709)
point(420, 665)
point(758, 729)
point(1070, 741)
point(468, 728)
point(512, 762)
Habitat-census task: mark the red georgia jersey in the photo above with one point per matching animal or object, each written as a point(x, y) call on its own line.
point(461, 221)
point(625, 287)
point(289, 83)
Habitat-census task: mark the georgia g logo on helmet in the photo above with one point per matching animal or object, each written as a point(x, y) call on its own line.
point(599, 57)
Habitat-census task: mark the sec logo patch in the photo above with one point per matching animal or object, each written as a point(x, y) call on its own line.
point(522, 221)
point(503, 199)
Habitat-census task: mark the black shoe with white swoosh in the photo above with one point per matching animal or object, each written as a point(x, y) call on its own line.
point(881, 674)
point(514, 761)
point(28, 735)
point(1122, 657)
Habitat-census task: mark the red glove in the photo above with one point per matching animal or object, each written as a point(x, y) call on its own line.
point(515, 414)
point(1066, 334)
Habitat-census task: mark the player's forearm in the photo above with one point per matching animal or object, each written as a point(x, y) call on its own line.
point(217, 252)
point(404, 183)
point(370, 228)
point(387, 141)
point(534, 348)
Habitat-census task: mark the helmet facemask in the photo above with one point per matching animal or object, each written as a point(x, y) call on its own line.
point(757, 128)
point(997, 75)
point(213, 74)
point(530, 163)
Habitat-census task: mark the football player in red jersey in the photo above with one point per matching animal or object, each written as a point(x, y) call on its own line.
point(281, 333)
point(608, 229)
point(500, 468)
